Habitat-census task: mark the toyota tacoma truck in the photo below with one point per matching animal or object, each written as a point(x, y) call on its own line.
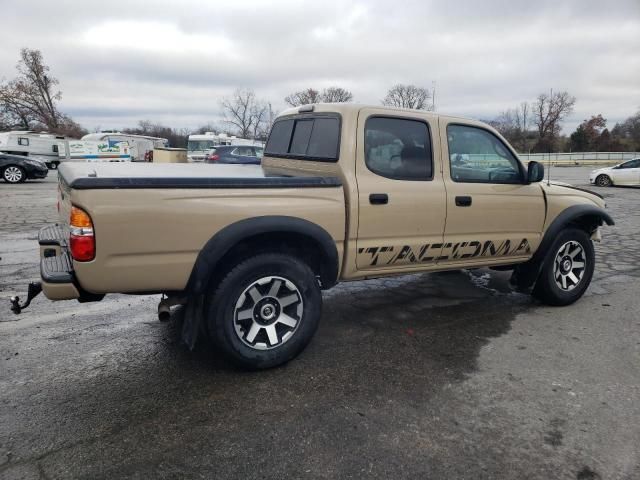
point(345, 192)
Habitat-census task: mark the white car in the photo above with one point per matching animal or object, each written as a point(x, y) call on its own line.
point(627, 173)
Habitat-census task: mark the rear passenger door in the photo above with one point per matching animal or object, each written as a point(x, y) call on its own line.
point(493, 215)
point(401, 196)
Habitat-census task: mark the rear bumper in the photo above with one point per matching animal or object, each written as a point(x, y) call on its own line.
point(57, 275)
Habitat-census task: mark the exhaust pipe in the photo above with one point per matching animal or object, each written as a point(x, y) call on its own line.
point(164, 307)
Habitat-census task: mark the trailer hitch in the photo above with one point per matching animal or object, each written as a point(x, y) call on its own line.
point(32, 292)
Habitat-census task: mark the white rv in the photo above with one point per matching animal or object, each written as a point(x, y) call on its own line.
point(41, 146)
point(200, 144)
point(140, 146)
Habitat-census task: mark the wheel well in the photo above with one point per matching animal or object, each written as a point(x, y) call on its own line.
point(302, 246)
point(588, 223)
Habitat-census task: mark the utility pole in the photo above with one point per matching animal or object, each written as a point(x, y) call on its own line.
point(433, 96)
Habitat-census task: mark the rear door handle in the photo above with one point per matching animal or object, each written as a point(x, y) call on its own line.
point(378, 199)
point(463, 201)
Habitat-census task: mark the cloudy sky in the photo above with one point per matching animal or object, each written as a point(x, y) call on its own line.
point(172, 61)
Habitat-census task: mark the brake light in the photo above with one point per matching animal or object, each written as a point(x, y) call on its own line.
point(82, 241)
point(213, 158)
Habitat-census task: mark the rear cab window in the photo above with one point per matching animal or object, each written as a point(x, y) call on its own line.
point(313, 137)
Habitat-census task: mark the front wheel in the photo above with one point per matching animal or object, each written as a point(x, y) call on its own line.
point(265, 311)
point(14, 174)
point(567, 270)
point(603, 181)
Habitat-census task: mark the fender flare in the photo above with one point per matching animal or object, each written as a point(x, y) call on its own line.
point(526, 274)
point(224, 240)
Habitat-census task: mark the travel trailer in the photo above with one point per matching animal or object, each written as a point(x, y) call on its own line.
point(200, 144)
point(140, 146)
point(41, 146)
point(93, 151)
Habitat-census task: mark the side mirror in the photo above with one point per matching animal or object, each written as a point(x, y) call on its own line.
point(535, 172)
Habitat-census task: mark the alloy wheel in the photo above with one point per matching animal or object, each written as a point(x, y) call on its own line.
point(569, 265)
point(268, 312)
point(13, 174)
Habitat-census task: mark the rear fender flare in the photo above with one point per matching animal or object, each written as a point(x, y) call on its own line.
point(223, 241)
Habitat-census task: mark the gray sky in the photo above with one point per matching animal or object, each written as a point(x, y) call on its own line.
point(171, 61)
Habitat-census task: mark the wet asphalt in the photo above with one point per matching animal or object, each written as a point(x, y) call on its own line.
point(447, 375)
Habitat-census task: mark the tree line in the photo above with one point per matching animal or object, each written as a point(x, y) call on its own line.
point(536, 127)
point(30, 102)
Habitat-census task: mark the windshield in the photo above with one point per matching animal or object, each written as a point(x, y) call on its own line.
point(194, 145)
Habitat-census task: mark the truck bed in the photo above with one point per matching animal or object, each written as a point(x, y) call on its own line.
point(152, 220)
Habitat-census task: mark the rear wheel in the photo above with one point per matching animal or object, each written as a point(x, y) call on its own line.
point(14, 174)
point(567, 270)
point(54, 165)
point(265, 311)
point(603, 181)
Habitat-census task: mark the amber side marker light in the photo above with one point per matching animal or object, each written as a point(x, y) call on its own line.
point(82, 241)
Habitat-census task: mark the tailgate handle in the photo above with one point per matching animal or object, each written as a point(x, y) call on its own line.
point(463, 201)
point(378, 199)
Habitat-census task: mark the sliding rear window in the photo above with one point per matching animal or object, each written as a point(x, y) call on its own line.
point(305, 137)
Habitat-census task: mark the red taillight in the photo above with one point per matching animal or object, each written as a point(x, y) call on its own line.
point(83, 248)
point(82, 241)
point(213, 158)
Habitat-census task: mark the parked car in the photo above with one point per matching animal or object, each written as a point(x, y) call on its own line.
point(345, 192)
point(239, 154)
point(17, 169)
point(627, 173)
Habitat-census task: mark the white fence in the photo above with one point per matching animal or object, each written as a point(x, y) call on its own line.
point(579, 158)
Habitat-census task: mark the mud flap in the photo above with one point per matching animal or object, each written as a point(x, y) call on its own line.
point(193, 320)
point(524, 276)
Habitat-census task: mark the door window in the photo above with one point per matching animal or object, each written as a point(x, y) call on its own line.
point(244, 151)
point(398, 148)
point(630, 164)
point(23, 141)
point(478, 156)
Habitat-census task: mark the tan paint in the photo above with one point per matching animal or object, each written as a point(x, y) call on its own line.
point(59, 291)
point(148, 240)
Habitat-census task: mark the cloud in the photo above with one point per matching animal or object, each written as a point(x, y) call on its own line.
point(173, 61)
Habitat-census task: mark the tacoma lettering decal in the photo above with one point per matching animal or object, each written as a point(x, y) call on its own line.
point(433, 252)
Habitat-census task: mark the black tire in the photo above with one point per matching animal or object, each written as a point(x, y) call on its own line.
point(54, 165)
point(549, 286)
point(14, 174)
point(233, 334)
point(603, 181)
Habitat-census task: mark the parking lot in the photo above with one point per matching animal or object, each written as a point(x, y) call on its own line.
point(447, 375)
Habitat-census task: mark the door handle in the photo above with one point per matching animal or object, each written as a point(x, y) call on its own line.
point(464, 201)
point(378, 199)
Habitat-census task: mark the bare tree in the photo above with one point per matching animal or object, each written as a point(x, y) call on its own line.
point(311, 95)
point(239, 111)
point(408, 96)
point(549, 110)
point(303, 97)
point(513, 124)
point(336, 95)
point(31, 97)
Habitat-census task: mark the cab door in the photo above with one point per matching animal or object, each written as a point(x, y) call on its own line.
point(401, 196)
point(493, 215)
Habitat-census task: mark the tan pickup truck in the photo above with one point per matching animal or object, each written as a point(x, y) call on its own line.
point(345, 192)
